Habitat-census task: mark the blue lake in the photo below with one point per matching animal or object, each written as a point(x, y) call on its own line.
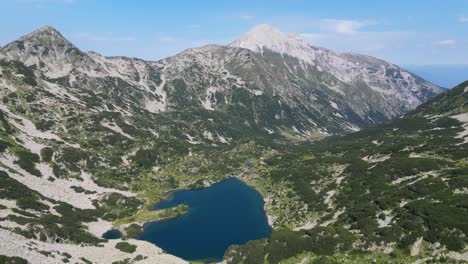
point(112, 234)
point(226, 213)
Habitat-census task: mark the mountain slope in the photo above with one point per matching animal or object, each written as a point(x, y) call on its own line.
point(80, 153)
point(395, 193)
point(366, 89)
point(88, 143)
point(285, 86)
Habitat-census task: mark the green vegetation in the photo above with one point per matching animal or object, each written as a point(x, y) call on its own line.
point(146, 215)
point(133, 230)
point(360, 257)
point(284, 244)
point(15, 69)
point(25, 197)
point(342, 199)
point(389, 185)
point(27, 161)
point(12, 260)
point(46, 154)
point(126, 247)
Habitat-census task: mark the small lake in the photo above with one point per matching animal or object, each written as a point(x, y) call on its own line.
point(112, 234)
point(226, 213)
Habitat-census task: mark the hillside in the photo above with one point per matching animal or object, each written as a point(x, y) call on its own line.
point(291, 88)
point(395, 193)
point(89, 143)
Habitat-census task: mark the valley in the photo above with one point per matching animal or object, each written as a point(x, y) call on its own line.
point(350, 170)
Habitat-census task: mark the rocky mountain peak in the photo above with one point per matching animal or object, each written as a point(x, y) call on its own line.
point(46, 48)
point(265, 36)
point(47, 37)
point(272, 63)
point(46, 30)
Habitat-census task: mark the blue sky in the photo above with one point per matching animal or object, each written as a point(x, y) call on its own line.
point(403, 32)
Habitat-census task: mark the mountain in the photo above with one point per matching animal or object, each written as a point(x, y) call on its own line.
point(363, 89)
point(395, 193)
point(274, 82)
point(89, 143)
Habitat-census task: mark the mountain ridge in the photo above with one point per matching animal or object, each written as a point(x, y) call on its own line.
point(394, 190)
point(297, 84)
point(89, 143)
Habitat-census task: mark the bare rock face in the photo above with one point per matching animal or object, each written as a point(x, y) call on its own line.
point(270, 80)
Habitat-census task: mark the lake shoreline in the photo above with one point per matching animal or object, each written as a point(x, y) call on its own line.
point(210, 219)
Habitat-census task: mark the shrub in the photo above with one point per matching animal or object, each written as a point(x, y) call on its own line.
point(133, 230)
point(126, 247)
point(46, 154)
point(12, 260)
point(26, 160)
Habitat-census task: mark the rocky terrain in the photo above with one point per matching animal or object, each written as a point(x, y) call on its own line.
point(395, 193)
point(88, 143)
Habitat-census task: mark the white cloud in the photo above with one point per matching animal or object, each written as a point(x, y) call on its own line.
point(342, 26)
point(247, 17)
point(402, 47)
point(360, 40)
point(358, 35)
point(463, 19)
point(445, 42)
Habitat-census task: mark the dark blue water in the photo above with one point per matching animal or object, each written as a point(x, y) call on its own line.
point(112, 234)
point(224, 214)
